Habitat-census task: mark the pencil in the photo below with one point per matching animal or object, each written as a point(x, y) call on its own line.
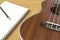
point(5, 13)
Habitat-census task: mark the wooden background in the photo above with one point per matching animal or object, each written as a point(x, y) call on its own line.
point(34, 7)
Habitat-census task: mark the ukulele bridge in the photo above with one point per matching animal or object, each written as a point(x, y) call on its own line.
point(51, 25)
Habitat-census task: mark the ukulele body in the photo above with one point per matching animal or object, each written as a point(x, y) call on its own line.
point(33, 29)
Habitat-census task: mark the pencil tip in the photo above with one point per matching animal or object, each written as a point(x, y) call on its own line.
point(9, 19)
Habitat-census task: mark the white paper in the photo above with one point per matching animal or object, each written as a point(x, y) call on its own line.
point(15, 12)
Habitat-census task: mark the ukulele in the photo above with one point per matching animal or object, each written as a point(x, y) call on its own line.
point(44, 25)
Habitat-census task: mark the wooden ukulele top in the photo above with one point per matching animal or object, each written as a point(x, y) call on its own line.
point(32, 29)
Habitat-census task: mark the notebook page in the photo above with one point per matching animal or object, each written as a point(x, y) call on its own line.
point(15, 13)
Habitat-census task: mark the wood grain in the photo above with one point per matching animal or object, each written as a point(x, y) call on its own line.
point(31, 28)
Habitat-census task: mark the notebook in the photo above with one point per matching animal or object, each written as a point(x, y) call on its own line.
point(15, 13)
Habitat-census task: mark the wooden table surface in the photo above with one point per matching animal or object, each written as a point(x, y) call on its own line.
point(34, 7)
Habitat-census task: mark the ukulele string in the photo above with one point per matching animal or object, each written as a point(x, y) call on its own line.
point(50, 15)
point(55, 13)
point(58, 20)
point(58, 17)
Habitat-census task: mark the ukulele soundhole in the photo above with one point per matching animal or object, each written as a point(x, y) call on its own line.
point(53, 10)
